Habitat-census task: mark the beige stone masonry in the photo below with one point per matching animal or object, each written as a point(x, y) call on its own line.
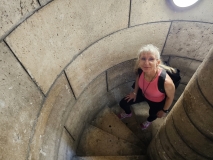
point(14, 12)
point(110, 123)
point(96, 142)
point(186, 66)
point(189, 39)
point(67, 148)
point(114, 49)
point(48, 130)
point(155, 11)
point(20, 102)
point(87, 105)
point(50, 38)
point(120, 74)
point(206, 75)
point(112, 158)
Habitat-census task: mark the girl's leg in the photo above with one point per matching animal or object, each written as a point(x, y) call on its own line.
point(126, 105)
point(154, 108)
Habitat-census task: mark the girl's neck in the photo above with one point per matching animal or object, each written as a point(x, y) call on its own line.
point(149, 76)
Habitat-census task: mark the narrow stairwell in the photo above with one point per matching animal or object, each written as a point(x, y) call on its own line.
point(107, 137)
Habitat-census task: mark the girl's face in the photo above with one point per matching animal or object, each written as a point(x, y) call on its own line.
point(148, 62)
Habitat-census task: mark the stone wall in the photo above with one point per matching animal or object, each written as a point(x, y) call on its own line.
point(62, 61)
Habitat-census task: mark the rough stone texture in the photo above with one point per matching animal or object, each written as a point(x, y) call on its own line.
point(67, 149)
point(189, 39)
point(167, 145)
point(121, 73)
point(112, 158)
point(54, 35)
point(190, 134)
point(178, 144)
point(110, 123)
point(96, 142)
point(14, 12)
point(48, 130)
point(20, 102)
point(205, 76)
point(44, 2)
point(112, 50)
point(154, 11)
point(186, 66)
point(179, 91)
point(201, 116)
point(88, 104)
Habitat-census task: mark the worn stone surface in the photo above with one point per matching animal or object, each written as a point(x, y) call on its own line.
point(51, 121)
point(155, 11)
point(189, 39)
point(112, 158)
point(108, 145)
point(186, 66)
point(54, 35)
point(120, 74)
point(20, 102)
point(190, 134)
point(167, 145)
point(205, 76)
point(179, 91)
point(177, 143)
point(112, 50)
point(110, 123)
point(67, 147)
point(200, 112)
point(13, 13)
point(88, 104)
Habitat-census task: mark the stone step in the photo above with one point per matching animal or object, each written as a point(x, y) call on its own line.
point(141, 157)
point(141, 111)
point(96, 142)
point(110, 123)
point(139, 114)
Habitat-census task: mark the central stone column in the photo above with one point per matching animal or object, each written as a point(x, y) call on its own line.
point(187, 132)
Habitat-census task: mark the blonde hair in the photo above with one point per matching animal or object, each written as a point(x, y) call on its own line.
point(154, 51)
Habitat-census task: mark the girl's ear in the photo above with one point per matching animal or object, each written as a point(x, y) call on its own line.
point(158, 62)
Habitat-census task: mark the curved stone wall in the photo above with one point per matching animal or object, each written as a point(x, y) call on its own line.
point(64, 60)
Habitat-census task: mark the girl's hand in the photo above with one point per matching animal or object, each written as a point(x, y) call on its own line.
point(160, 114)
point(131, 96)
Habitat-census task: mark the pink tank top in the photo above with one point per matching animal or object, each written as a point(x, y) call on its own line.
point(151, 90)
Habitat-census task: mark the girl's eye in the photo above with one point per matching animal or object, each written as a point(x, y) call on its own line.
point(149, 59)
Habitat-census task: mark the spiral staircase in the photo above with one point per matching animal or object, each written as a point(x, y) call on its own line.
point(107, 137)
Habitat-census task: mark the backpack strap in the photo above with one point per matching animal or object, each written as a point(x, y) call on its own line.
point(161, 81)
point(140, 71)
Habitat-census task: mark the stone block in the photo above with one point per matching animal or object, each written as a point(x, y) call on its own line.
point(186, 66)
point(67, 147)
point(205, 76)
point(86, 106)
point(198, 109)
point(176, 141)
point(13, 13)
point(53, 36)
point(51, 121)
point(20, 102)
point(120, 74)
point(153, 11)
point(192, 40)
point(190, 134)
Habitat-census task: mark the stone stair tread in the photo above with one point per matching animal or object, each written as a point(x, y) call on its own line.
point(96, 142)
point(139, 115)
point(109, 122)
point(140, 157)
point(141, 112)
